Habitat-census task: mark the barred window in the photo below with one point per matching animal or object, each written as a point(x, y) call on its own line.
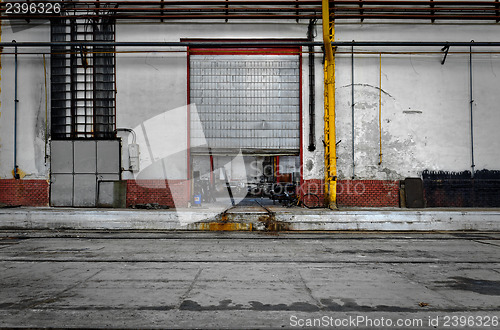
point(83, 91)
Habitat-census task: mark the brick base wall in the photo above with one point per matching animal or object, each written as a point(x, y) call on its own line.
point(315, 186)
point(358, 193)
point(368, 193)
point(24, 192)
point(173, 193)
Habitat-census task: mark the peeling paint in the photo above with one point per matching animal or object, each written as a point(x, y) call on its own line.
point(400, 145)
point(39, 132)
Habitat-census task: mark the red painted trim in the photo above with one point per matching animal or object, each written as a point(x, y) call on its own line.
point(251, 51)
point(301, 153)
point(220, 40)
point(221, 50)
point(188, 124)
point(245, 51)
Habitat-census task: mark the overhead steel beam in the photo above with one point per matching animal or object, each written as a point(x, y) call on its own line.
point(268, 10)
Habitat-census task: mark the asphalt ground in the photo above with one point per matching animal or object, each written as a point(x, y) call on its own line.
point(255, 280)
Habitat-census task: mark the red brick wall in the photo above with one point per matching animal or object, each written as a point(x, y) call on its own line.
point(359, 193)
point(24, 192)
point(158, 191)
point(368, 193)
point(315, 186)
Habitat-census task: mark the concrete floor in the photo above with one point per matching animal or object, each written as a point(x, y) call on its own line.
point(249, 280)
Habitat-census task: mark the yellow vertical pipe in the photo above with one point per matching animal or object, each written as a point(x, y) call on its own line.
point(330, 140)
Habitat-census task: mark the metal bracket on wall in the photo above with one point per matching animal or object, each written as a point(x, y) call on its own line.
point(497, 10)
point(445, 49)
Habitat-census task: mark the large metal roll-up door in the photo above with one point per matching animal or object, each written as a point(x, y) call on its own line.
point(246, 102)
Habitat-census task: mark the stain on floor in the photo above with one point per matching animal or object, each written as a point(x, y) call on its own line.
point(487, 287)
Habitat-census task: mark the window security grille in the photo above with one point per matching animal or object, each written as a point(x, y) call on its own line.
point(82, 80)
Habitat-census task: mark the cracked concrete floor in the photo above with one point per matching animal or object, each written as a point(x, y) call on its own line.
point(248, 280)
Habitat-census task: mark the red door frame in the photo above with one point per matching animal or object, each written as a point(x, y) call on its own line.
point(241, 51)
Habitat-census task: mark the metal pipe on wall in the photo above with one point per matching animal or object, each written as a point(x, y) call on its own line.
point(352, 109)
point(16, 175)
point(46, 107)
point(312, 87)
point(471, 112)
point(380, 109)
point(256, 43)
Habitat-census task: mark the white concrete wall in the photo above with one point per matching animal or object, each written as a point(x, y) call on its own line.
point(425, 105)
point(31, 105)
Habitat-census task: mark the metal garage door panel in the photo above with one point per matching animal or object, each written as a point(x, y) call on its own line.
point(249, 102)
point(85, 156)
point(85, 192)
point(112, 194)
point(61, 160)
point(77, 186)
point(61, 190)
point(108, 157)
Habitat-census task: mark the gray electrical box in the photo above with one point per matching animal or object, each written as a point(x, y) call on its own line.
point(133, 154)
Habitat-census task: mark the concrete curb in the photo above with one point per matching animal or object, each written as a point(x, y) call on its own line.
point(95, 219)
point(189, 219)
point(397, 220)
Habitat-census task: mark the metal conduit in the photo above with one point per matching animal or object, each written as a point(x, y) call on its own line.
point(312, 97)
point(352, 111)
point(473, 165)
point(255, 43)
point(16, 101)
point(380, 110)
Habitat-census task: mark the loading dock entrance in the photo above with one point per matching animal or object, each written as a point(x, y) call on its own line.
point(244, 103)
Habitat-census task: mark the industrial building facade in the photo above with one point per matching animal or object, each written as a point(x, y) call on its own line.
point(121, 103)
